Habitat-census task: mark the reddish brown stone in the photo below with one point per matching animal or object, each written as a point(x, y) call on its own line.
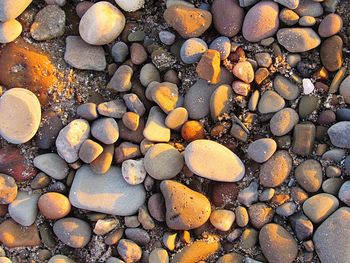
point(224, 193)
point(192, 130)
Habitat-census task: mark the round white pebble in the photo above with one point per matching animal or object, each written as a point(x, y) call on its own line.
point(308, 86)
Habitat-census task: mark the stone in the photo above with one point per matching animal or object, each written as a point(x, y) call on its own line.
point(162, 161)
point(10, 9)
point(344, 193)
point(249, 195)
point(318, 207)
point(8, 189)
point(298, 39)
point(270, 102)
point(192, 50)
point(338, 133)
point(187, 21)
point(24, 208)
point(244, 71)
point(104, 226)
point(222, 219)
point(192, 130)
point(227, 17)
point(308, 86)
point(49, 23)
point(249, 238)
point(156, 207)
point(241, 88)
point(331, 53)
point(263, 59)
point(283, 121)
point(277, 244)
point(131, 120)
point(260, 214)
point(129, 251)
point(176, 118)
point(286, 209)
point(233, 256)
point(120, 51)
point(208, 67)
point(309, 175)
point(165, 94)
point(260, 75)
point(9, 31)
point(307, 105)
point(125, 151)
point(291, 4)
point(330, 25)
point(105, 194)
point(166, 37)
point(261, 150)
point(101, 24)
point(138, 235)
point(288, 17)
point(121, 80)
point(134, 103)
point(302, 226)
point(89, 151)
point(222, 45)
point(25, 237)
point(184, 203)
point(60, 259)
point(335, 247)
point(50, 127)
point(81, 55)
point(332, 186)
point(159, 255)
point(242, 217)
point(105, 130)
point(72, 231)
point(148, 74)
point(307, 21)
point(130, 6)
point(304, 138)
point(223, 194)
point(309, 8)
point(52, 165)
point(19, 124)
point(54, 206)
point(40, 181)
point(287, 89)
point(276, 170)
point(197, 251)
point(155, 129)
point(88, 111)
point(261, 21)
point(231, 168)
point(343, 114)
point(133, 171)
point(344, 89)
point(138, 54)
point(113, 237)
point(169, 240)
point(103, 162)
point(220, 101)
point(70, 139)
point(145, 218)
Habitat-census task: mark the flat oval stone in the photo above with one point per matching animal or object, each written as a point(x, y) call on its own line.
point(261, 150)
point(320, 206)
point(214, 161)
point(270, 102)
point(19, 124)
point(331, 53)
point(52, 164)
point(277, 244)
point(10, 9)
point(9, 31)
point(105, 194)
point(197, 251)
point(185, 209)
point(54, 205)
point(339, 134)
point(309, 175)
point(176, 118)
point(72, 231)
point(24, 208)
point(285, 87)
point(8, 189)
point(155, 129)
point(220, 101)
point(298, 39)
point(330, 25)
point(283, 121)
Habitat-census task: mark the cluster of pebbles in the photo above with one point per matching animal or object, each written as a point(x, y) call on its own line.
point(248, 163)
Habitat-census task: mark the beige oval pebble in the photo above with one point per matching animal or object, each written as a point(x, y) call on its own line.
point(176, 118)
point(9, 31)
point(222, 219)
point(54, 205)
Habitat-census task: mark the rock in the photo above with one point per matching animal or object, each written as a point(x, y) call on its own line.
point(125, 151)
point(260, 214)
point(88, 111)
point(263, 59)
point(138, 235)
point(19, 124)
point(52, 165)
point(134, 103)
point(241, 88)
point(231, 168)
point(335, 247)
point(270, 102)
point(25, 237)
point(320, 206)
point(133, 171)
point(260, 75)
point(335, 155)
point(298, 39)
point(277, 244)
point(121, 80)
point(71, 138)
point(338, 133)
point(249, 238)
point(156, 207)
point(49, 23)
point(181, 204)
point(130, 6)
point(176, 118)
point(249, 195)
point(192, 50)
point(223, 194)
point(9, 31)
point(8, 189)
point(222, 45)
point(188, 21)
point(148, 74)
point(343, 114)
point(145, 218)
point(307, 105)
point(208, 67)
point(283, 121)
point(24, 208)
point(344, 193)
point(307, 21)
point(105, 130)
point(197, 251)
point(138, 54)
point(220, 101)
point(242, 217)
point(105, 194)
point(51, 125)
point(244, 71)
point(332, 186)
point(159, 255)
point(54, 206)
point(309, 175)
point(131, 120)
point(104, 226)
point(120, 51)
point(291, 4)
point(155, 129)
point(166, 37)
point(302, 226)
point(231, 257)
point(81, 55)
point(10, 9)
point(289, 17)
point(192, 130)
point(344, 89)
point(287, 209)
point(72, 231)
point(101, 24)
point(89, 151)
point(309, 8)
point(261, 150)
point(276, 170)
point(103, 162)
point(308, 86)
point(330, 25)
point(166, 95)
point(222, 219)
point(129, 251)
point(332, 61)
point(227, 17)
point(261, 21)
point(304, 138)
point(60, 259)
point(285, 88)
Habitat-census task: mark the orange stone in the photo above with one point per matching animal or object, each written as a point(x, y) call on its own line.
point(192, 130)
point(208, 67)
point(54, 205)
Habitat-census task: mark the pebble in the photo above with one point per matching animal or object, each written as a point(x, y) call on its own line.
point(134, 103)
point(234, 235)
point(332, 185)
point(10, 9)
point(192, 50)
point(287, 89)
point(40, 181)
point(309, 8)
point(166, 37)
point(101, 15)
point(169, 240)
point(159, 255)
point(270, 102)
point(88, 111)
point(187, 21)
point(72, 231)
point(241, 88)
point(302, 226)
point(105, 130)
point(113, 237)
point(8, 189)
point(267, 194)
point(54, 206)
point(138, 54)
point(19, 124)
point(293, 60)
point(261, 21)
point(307, 105)
point(320, 206)
point(208, 67)
point(344, 193)
point(298, 39)
point(242, 217)
point(308, 86)
point(82, 7)
point(222, 45)
point(276, 170)
point(52, 165)
point(138, 235)
point(307, 21)
point(335, 155)
point(197, 251)
point(220, 101)
point(283, 121)
point(103, 162)
point(9, 31)
point(231, 168)
point(130, 5)
point(133, 171)
point(332, 61)
point(291, 4)
point(287, 209)
point(249, 238)
point(70, 139)
point(244, 71)
point(181, 204)
point(166, 95)
point(261, 150)
point(338, 133)
point(334, 248)
point(121, 80)
point(89, 151)
point(120, 51)
point(344, 89)
point(260, 214)
point(108, 194)
point(249, 195)
point(129, 251)
point(56, 2)
point(223, 194)
point(309, 175)
point(288, 17)
point(49, 23)
point(148, 74)
point(263, 59)
point(60, 259)
point(192, 130)
point(50, 126)
point(155, 129)
point(25, 237)
point(24, 208)
point(131, 120)
point(227, 17)
point(125, 151)
point(304, 138)
point(145, 218)
point(222, 219)
point(343, 114)
point(156, 207)
point(330, 25)
point(176, 118)
point(277, 244)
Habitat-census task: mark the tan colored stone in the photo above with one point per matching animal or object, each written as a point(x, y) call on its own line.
point(208, 67)
point(54, 205)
